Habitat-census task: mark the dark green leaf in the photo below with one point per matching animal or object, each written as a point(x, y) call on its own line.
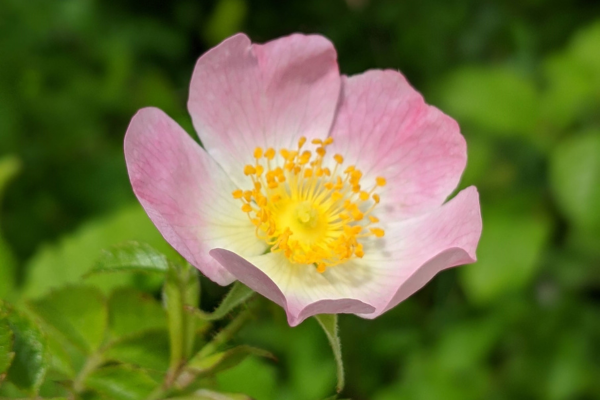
point(131, 256)
point(9, 167)
point(121, 383)
point(181, 290)
point(149, 349)
point(30, 363)
point(575, 177)
point(78, 314)
point(132, 311)
point(238, 294)
point(253, 376)
point(330, 325)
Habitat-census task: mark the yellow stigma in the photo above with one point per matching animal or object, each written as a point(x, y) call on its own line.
point(311, 213)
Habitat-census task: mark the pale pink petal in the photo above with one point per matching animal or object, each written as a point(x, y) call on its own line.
point(246, 95)
point(415, 250)
point(393, 268)
point(186, 194)
point(299, 289)
point(385, 128)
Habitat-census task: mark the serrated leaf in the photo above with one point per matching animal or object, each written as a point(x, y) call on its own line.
point(76, 313)
point(149, 349)
point(130, 257)
point(68, 260)
point(180, 291)
point(575, 178)
point(238, 294)
point(121, 383)
point(215, 363)
point(6, 346)
point(132, 311)
point(330, 325)
point(30, 362)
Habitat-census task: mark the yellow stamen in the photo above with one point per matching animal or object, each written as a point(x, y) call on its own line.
point(310, 212)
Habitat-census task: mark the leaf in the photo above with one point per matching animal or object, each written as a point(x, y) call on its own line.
point(508, 254)
point(9, 167)
point(496, 100)
point(149, 349)
point(329, 324)
point(215, 363)
point(181, 290)
point(575, 179)
point(73, 256)
point(130, 257)
point(121, 383)
point(132, 311)
point(238, 294)
point(78, 314)
point(6, 346)
point(30, 362)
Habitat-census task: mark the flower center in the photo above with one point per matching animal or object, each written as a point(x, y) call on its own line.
point(313, 214)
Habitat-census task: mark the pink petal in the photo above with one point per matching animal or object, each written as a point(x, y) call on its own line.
point(393, 268)
point(246, 95)
point(385, 128)
point(418, 248)
point(298, 289)
point(185, 193)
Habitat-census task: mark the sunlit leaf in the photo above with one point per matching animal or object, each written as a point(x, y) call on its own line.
point(77, 313)
point(496, 100)
point(508, 254)
point(74, 255)
point(215, 363)
point(575, 178)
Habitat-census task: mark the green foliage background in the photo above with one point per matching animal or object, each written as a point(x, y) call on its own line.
point(523, 80)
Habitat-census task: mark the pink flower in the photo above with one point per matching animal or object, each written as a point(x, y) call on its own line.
point(322, 192)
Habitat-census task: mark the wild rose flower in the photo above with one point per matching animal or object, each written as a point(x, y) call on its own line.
point(322, 192)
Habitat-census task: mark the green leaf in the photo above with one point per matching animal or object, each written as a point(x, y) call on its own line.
point(215, 363)
point(31, 359)
point(9, 167)
point(238, 294)
point(130, 256)
point(508, 254)
point(6, 346)
point(121, 383)
point(74, 255)
point(496, 100)
point(180, 291)
point(149, 349)
point(78, 314)
point(329, 323)
point(132, 311)
point(575, 178)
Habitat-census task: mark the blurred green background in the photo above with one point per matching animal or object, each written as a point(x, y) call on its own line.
point(521, 77)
